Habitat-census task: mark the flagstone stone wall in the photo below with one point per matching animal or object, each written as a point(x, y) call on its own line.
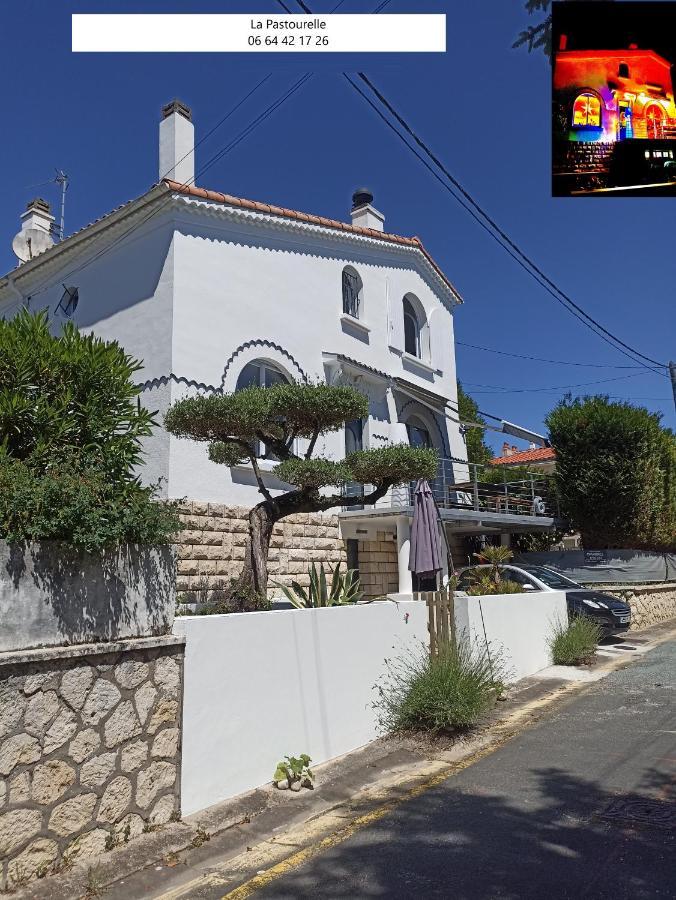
point(90, 749)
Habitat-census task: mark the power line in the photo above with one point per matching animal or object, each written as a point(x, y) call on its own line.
point(219, 123)
point(558, 362)
point(527, 264)
point(472, 213)
point(243, 134)
point(559, 387)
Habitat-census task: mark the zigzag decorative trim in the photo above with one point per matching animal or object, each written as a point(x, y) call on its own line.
point(261, 342)
point(163, 380)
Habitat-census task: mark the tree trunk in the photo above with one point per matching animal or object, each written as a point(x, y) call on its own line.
point(254, 576)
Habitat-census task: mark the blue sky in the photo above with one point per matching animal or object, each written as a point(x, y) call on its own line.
point(483, 108)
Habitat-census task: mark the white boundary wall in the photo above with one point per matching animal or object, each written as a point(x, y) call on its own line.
point(517, 625)
point(262, 685)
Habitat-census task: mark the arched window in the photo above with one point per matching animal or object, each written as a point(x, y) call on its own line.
point(353, 291)
point(654, 120)
point(587, 111)
point(412, 329)
point(418, 433)
point(261, 373)
point(623, 70)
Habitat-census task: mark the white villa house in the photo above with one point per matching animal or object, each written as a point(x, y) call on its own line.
point(214, 293)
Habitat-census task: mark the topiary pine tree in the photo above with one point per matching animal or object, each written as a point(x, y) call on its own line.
point(283, 417)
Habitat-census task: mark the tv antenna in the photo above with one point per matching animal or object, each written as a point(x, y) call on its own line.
point(62, 179)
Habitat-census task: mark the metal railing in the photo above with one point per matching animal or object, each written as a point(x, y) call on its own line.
point(467, 486)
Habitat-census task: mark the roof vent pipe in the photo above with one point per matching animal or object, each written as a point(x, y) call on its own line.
point(364, 214)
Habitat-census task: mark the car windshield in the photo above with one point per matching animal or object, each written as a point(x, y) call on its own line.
point(551, 578)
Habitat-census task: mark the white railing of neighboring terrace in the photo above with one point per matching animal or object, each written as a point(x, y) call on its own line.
point(533, 495)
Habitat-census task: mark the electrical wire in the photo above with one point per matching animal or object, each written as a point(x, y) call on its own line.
point(558, 362)
point(558, 387)
point(218, 124)
point(472, 213)
point(499, 235)
point(167, 200)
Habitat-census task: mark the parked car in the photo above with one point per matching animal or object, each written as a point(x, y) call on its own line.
point(611, 614)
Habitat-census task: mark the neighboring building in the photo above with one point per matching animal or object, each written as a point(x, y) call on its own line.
point(614, 95)
point(539, 459)
point(214, 293)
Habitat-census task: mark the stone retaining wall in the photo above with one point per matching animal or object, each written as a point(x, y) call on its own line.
point(650, 603)
point(378, 568)
point(90, 748)
point(211, 547)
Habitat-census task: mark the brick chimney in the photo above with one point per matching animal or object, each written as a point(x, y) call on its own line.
point(563, 41)
point(177, 143)
point(506, 449)
point(364, 214)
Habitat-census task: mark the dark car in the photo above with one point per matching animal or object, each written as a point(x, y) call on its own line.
point(611, 614)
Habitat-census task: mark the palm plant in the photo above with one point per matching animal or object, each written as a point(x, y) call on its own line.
point(495, 557)
point(343, 588)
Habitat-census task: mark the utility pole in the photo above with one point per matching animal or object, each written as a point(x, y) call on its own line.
point(672, 372)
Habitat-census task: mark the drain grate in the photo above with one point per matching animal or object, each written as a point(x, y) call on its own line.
point(631, 810)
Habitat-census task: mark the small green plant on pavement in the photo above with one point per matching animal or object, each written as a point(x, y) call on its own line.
point(442, 693)
point(342, 589)
point(294, 772)
point(575, 642)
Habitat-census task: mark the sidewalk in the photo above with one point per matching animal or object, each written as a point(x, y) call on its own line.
point(210, 853)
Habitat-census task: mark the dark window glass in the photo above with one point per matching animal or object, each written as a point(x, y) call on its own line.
point(411, 329)
point(353, 554)
point(623, 71)
point(352, 288)
point(418, 435)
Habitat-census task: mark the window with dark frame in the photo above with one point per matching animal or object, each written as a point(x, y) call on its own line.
point(352, 292)
point(411, 329)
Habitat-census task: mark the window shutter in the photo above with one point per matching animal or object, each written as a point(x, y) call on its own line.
point(439, 341)
point(395, 321)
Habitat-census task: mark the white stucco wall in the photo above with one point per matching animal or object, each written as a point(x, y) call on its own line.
point(517, 626)
point(197, 292)
point(246, 289)
point(262, 685)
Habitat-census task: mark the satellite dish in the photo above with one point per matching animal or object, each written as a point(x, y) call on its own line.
point(31, 242)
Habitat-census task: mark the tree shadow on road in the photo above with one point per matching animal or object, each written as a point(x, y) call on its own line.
point(551, 842)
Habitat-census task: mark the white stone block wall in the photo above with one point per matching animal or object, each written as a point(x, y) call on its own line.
point(90, 748)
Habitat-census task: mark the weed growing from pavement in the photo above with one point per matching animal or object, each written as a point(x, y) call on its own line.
point(574, 643)
point(436, 694)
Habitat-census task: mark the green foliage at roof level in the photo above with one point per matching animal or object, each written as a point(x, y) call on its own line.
point(478, 450)
point(289, 420)
point(616, 473)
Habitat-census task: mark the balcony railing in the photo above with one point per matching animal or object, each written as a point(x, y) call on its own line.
point(466, 486)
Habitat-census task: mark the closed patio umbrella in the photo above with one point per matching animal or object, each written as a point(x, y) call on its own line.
point(425, 555)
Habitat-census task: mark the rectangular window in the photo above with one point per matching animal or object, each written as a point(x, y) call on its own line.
point(353, 554)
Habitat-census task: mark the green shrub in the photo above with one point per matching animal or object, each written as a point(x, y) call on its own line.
point(576, 642)
point(440, 693)
point(81, 507)
point(485, 586)
point(71, 431)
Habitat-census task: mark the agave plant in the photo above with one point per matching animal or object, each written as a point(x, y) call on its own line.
point(343, 588)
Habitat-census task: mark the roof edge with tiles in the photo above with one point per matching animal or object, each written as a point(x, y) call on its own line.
point(309, 219)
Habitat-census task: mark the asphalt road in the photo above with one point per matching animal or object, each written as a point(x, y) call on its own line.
point(528, 820)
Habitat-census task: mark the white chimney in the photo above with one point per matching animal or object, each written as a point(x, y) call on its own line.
point(364, 214)
point(177, 143)
point(37, 231)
